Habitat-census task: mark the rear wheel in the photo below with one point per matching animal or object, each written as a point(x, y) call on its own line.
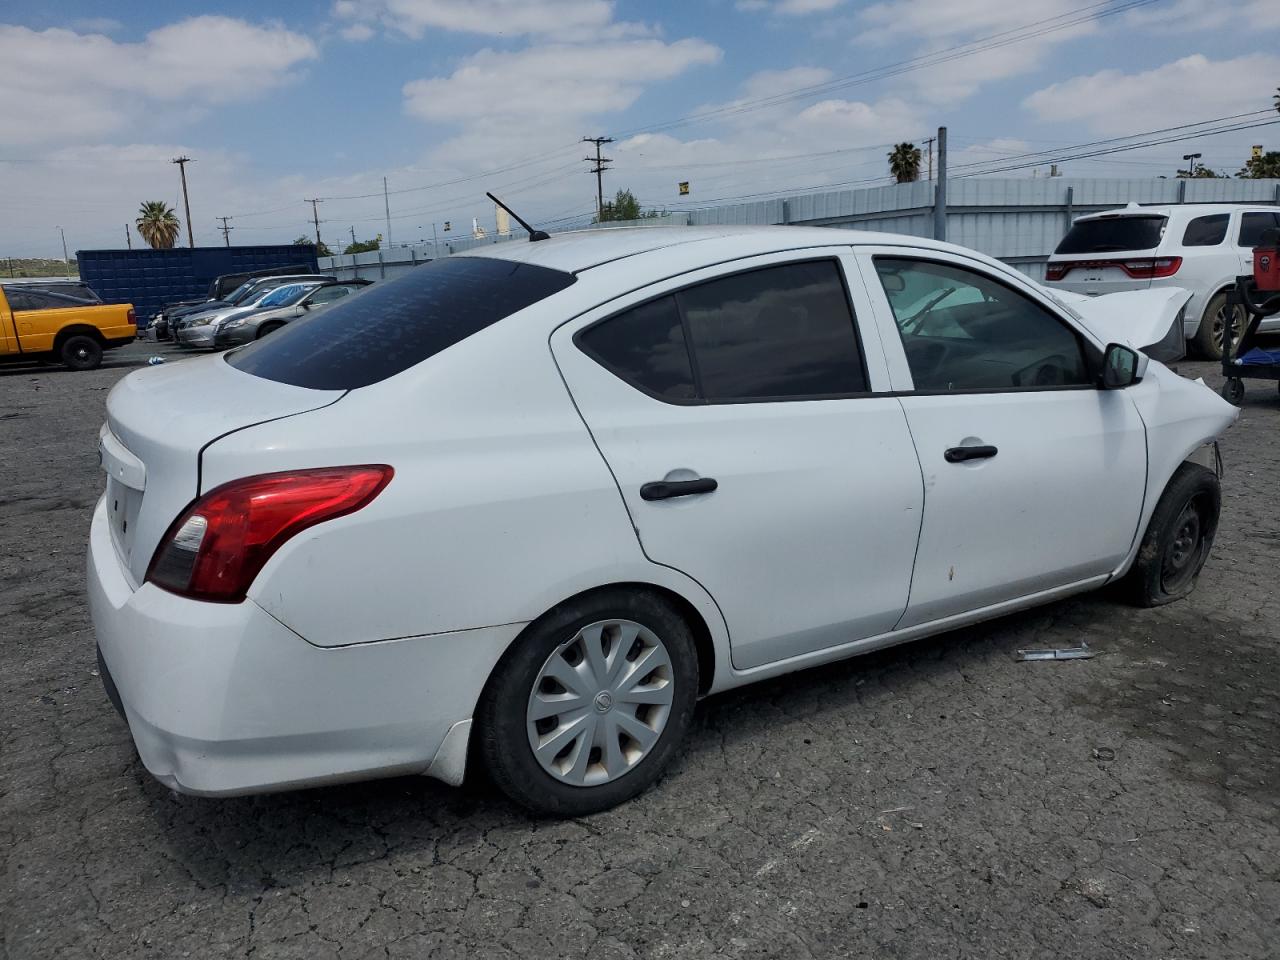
point(1214, 323)
point(1178, 538)
point(590, 704)
point(267, 328)
point(81, 352)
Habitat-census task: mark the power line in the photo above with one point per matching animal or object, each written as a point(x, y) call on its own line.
point(1029, 31)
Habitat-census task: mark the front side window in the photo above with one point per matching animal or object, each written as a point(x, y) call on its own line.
point(964, 330)
point(1253, 224)
point(1206, 231)
point(782, 333)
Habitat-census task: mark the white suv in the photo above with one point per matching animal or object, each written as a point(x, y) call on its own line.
point(1200, 247)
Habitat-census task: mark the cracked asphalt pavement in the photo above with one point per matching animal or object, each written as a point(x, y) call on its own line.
point(936, 800)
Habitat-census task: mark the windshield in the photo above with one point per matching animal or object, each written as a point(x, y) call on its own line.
point(397, 323)
point(1112, 234)
point(285, 296)
point(240, 292)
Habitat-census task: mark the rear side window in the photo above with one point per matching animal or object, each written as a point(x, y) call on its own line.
point(1206, 231)
point(646, 347)
point(782, 333)
point(1252, 225)
point(1110, 234)
point(398, 323)
point(778, 332)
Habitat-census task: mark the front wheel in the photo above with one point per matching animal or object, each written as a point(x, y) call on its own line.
point(1178, 538)
point(1233, 391)
point(81, 352)
point(590, 704)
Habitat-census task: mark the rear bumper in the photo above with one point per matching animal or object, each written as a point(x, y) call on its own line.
point(222, 699)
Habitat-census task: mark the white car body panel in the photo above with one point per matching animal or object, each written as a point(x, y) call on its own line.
point(365, 642)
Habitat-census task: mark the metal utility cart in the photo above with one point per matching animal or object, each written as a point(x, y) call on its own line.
point(1259, 296)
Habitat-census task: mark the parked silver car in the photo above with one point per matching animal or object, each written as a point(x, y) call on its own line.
point(270, 317)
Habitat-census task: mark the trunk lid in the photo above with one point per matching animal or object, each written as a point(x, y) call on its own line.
point(159, 420)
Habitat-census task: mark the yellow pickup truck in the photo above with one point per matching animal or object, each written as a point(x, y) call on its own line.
point(38, 323)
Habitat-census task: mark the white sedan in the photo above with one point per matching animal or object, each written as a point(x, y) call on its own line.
point(526, 505)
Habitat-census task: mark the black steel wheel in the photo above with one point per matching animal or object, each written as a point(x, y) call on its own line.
point(1233, 391)
point(1178, 538)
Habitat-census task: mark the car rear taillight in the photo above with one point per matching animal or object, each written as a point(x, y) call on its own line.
point(1145, 268)
point(218, 545)
point(131, 317)
point(1152, 269)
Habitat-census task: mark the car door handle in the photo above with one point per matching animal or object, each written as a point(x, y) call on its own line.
point(666, 489)
point(961, 454)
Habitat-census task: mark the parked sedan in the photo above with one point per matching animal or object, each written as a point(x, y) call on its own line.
point(524, 506)
point(200, 330)
point(269, 318)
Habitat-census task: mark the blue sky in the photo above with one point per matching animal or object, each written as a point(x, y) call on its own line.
point(278, 102)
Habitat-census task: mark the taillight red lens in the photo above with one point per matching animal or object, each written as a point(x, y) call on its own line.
point(132, 317)
point(1152, 269)
point(1055, 271)
point(214, 550)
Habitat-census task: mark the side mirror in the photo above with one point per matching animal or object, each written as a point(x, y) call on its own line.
point(1119, 367)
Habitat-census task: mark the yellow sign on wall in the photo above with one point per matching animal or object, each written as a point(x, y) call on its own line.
point(684, 188)
point(1257, 151)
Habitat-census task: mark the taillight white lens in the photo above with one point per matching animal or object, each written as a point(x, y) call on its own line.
point(218, 545)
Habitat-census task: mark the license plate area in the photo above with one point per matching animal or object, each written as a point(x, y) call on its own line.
point(123, 506)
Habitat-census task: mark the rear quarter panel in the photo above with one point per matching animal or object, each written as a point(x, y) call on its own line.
point(501, 505)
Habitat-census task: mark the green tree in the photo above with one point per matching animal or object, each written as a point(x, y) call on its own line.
point(625, 206)
point(904, 163)
point(321, 251)
point(363, 246)
point(1265, 167)
point(157, 224)
point(1203, 173)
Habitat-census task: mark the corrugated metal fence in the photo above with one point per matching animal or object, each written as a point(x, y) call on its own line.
point(1019, 221)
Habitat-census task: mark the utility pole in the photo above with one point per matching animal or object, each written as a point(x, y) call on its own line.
point(315, 216)
point(226, 231)
point(353, 236)
point(598, 170)
point(386, 205)
point(128, 236)
point(65, 259)
point(186, 203)
point(940, 195)
point(930, 141)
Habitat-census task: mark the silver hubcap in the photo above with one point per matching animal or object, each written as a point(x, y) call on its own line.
point(600, 703)
point(1220, 326)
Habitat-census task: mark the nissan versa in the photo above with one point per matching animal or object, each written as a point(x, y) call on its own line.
point(524, 506)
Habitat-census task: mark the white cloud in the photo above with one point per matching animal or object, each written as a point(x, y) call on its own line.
point(544, 83)
point(1193, 88)
point(938, 25)
point(61, 86)
point(357, 32)
point(789, 8)
point(1190, 16)
point(557, 19)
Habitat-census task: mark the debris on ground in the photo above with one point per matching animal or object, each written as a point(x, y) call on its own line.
point(1081, 652)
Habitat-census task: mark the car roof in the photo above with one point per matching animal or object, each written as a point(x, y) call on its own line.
point(581, 250)
point(1184, 209)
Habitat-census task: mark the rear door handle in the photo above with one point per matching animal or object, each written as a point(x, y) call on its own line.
point(961, 454)
point(666, 489)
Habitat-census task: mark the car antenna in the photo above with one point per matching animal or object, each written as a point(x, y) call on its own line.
point(534, 235)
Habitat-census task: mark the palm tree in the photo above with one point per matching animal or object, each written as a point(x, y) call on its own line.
point(157, 224)
point(904, 162)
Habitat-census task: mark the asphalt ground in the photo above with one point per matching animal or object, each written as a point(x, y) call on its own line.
point(937, 800)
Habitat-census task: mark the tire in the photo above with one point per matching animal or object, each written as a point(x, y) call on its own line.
point(81, 352)
point(586, 775)
point(1233, 391)
point(1178, 538)
point(267, 328)
point(1208, 339)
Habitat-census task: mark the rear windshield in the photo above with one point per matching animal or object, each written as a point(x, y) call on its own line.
point(1113, 233)
point(398, 323)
